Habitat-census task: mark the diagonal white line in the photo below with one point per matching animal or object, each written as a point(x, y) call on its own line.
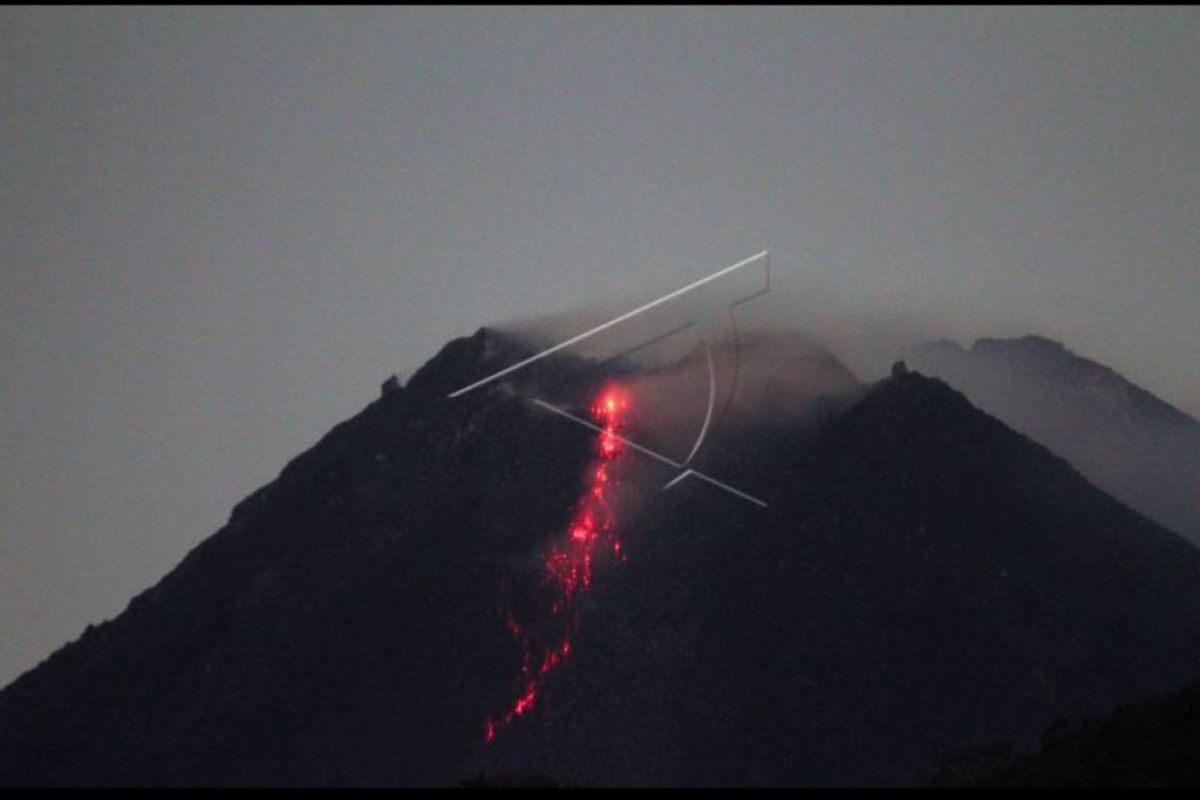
point(718, 484)
point(676, 479)
point(658, 456)
point(598, 429)
point(605, 326)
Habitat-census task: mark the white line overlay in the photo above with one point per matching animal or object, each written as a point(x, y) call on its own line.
point(657, 456)
point(605, 326)
point(765, 254)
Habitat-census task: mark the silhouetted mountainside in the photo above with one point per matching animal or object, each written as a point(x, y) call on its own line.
point(1148, 744)
point(923, 579)
point(936, 578)
point(1129, 442)
point(341, 628)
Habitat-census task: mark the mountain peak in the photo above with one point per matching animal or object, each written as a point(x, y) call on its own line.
point(1030, 343)
point(922, 577)
point(1128, 441)
point(917, 395)
point(465, 360)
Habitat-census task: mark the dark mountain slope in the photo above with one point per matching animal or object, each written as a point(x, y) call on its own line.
point(342, 628)
point(934, 579)
point(1148, 744)
point(1129, 442)
point(923, 579)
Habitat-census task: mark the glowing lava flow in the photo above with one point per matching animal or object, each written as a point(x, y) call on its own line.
point(570, 565)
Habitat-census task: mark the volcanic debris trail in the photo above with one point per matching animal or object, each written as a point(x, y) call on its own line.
point(570, 565)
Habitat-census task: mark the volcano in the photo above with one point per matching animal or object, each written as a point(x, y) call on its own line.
point(922, 579)
point(1129, 442)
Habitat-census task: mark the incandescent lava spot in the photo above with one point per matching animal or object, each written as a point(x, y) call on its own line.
point(570, 564)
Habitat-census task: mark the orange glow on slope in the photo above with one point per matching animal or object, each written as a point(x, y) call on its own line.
point(570, 563)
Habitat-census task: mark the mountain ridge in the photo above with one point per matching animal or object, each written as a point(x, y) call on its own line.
point(1122, 437)
point(922, 579)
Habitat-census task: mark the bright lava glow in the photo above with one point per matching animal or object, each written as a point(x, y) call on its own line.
point(570, 565)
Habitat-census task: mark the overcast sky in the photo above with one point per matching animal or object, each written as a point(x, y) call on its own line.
point(221, 230)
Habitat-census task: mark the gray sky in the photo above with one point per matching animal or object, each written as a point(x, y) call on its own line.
point(222, 229)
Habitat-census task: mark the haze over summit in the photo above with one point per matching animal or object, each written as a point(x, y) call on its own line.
point(225, 227)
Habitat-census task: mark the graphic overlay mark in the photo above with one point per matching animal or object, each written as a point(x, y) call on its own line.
point(677, 297)
point(546, 623)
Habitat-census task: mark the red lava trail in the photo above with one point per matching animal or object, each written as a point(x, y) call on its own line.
point(570, 564)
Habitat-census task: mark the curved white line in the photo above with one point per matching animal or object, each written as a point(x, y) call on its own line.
point(712, 399)
point(686, 472)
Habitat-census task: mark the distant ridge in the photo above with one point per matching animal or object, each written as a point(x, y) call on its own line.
point(1129, 442)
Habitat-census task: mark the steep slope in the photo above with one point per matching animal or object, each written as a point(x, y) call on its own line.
point(341, 628)
point(934, 578)
point(923, 578)
point(1129, 442)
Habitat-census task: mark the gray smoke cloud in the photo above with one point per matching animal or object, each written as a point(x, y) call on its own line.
point(799, 353)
